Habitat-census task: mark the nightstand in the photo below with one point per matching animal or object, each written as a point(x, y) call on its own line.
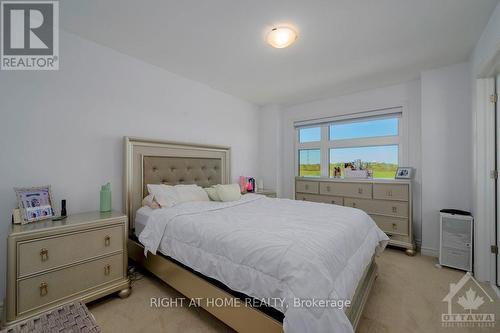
point(267, 193)
point(82, 257)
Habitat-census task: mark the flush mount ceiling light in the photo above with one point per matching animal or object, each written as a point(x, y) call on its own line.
point(281, 37)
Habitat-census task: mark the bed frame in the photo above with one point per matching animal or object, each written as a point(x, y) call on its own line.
point(161, 162)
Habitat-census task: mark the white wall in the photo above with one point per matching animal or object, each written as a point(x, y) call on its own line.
point(66, 127)
point(446, 147)
point(488, 46)
point(406, 95)
point(269, 146)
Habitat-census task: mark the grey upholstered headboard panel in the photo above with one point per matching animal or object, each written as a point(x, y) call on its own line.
point(155, 162)
point(169, 170)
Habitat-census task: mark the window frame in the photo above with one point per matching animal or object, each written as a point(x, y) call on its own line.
point(325, 144)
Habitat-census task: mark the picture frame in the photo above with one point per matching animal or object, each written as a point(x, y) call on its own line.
point(404, 173)
point(35, 203)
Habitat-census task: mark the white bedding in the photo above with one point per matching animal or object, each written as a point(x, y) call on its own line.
point(273, 248)
point(141, 219)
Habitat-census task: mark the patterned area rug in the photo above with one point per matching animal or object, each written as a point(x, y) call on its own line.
point(69, 318)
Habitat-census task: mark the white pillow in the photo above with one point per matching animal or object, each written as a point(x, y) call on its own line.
point(230, 192)
point(151, 202)
point(191, 193)
point(165, 195)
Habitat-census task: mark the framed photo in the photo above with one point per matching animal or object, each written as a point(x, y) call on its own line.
point(35, 203)
point(404, 173)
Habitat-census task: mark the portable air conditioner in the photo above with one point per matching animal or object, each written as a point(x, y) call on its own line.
point(455, 248)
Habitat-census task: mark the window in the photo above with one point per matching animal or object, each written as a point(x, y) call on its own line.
point(309, 163)
point(383, 160)
point(373, 139)
point(312, 134)
point(364, 129)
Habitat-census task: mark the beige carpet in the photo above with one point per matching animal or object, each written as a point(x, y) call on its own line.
point(407, 297)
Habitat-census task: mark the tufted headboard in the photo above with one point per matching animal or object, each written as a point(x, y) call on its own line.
point(168, 170)
point(162, 162)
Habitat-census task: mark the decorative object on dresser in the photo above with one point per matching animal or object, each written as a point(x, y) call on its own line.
point(388, 202)
point(16, 216)
point(105, 198)
point(247, 184)
point(35, 203)
point(51, 262)
point(404, 173)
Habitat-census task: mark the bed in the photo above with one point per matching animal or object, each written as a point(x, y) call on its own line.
point(268, 259)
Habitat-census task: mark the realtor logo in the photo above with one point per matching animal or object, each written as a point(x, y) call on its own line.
point(467, 301)
point(29, 35)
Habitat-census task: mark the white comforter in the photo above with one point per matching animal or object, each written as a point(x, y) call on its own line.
point(273, 248)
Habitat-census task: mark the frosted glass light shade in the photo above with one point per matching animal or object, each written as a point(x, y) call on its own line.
point(281, 37)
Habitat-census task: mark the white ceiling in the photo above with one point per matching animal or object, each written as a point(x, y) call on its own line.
point(343, 45)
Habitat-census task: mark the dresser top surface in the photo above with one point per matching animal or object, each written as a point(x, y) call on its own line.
point(355, 180)
point(70, 220)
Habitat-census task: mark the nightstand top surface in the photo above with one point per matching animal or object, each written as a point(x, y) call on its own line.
point(71, 220)
point(264, 191)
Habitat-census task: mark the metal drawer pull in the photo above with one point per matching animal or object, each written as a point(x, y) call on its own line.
point(107, 240)
point(360, 190)
point(389, 193)
point(394, 209)
point(44, 289)
point(394, 226)
point(44, 254)
point(107, 269)
point(333, 201)
point(354, 204)
point(328, 188)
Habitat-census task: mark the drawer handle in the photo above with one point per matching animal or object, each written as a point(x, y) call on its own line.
point(107, 240)
point(353, 204)
point(328, 188)
point(44, 254)
point(360, 190)
point(307, 187)
point(333, 201)
point(389, 193)
point(394, 209)
point(44, 289)
point(394, 226)
point(107, 269)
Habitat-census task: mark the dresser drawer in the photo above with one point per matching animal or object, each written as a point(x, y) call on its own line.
point(384, 207)
point(354, 190)
point(46, 253)
point(54, 286)
point(391, 225)
point(320, 198)
point(391, 191)
point(303, 186)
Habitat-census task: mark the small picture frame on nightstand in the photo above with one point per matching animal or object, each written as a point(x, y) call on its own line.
point(35, 203)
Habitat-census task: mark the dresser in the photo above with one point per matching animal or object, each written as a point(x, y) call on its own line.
point(82, 257)
point(388, 202)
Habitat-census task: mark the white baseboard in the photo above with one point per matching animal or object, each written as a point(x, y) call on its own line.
point(429, 252)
